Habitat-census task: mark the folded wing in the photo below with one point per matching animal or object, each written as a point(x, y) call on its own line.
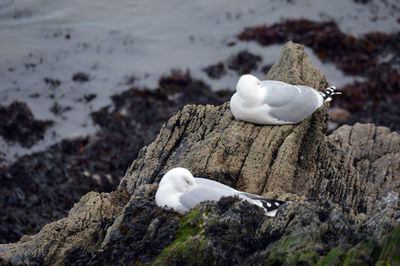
point(291, 103)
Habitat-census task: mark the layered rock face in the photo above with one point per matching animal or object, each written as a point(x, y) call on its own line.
point(343, 190)
point(375, 153)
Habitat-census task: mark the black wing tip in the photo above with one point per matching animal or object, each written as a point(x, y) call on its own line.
point(328, 92)
point(268, 204)
point(271, 205)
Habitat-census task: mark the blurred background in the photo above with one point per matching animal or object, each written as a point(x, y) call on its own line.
point(84, 85)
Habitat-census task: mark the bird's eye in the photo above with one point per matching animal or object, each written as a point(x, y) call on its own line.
point(187, 182)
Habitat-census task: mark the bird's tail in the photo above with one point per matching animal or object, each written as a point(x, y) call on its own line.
point(328, 93)
point(270, 205)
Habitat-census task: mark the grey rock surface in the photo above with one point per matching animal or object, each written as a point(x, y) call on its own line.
point(375, 153)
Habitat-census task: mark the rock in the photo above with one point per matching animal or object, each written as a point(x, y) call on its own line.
point(216, 233)
point(312, 233)
point(379, 225)
point(391, 248)
point(257, 159)
point(375, 153)
point(83, 228)
point(294, 67)
point(339, 115)
point(328, 226)
point(235, 232)
point(17, 123)
point(285, 196)
point(140, 236)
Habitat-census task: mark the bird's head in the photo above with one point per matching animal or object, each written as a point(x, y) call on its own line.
point(249, 88)
point(179, 178)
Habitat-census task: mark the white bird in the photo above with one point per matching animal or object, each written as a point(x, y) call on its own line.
point(271, 102)
point(179, 190)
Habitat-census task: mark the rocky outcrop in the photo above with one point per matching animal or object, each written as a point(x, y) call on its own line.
point(334, 222)
point(259, 159)
point(375, 153)
point(233, 232)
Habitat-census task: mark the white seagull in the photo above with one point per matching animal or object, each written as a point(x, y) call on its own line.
point(271, 102)
point(179, 190)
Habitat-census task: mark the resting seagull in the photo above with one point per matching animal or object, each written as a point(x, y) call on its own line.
point(271, 102)
point(179, 190)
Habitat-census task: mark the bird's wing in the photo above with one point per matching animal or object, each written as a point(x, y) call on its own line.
point(291, 102)
point(208, 182)
point(203, 193)
point(279, 93)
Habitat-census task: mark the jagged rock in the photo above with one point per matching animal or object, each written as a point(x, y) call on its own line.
point(258, 159)
point(142, 233)
point(309, 233)
point(235, 232)
point(328, 226)
point(375, 153)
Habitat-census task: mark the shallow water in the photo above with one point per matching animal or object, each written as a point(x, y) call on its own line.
point(113, 40)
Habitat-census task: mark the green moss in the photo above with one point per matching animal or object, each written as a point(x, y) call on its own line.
point(369, 252)
point(190, 218)
point(366, 252)
point(391, 249)
point(189, 244)
point(333, 257)
point(292, 250)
